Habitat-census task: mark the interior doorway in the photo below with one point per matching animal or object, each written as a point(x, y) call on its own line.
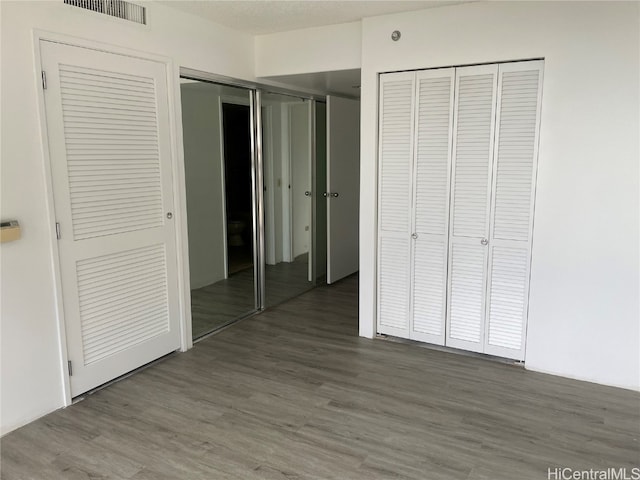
point(236, 146)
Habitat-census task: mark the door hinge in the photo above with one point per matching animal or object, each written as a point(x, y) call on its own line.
point(58, 235)
point(44, 80)
point(70, 367)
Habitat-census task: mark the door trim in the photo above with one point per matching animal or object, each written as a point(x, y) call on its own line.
point(178, 176)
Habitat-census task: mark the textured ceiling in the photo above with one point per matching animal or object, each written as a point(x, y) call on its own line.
point(269, 16)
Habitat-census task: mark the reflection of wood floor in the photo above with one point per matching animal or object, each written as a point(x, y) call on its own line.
point(217, 304)
point(294, 393)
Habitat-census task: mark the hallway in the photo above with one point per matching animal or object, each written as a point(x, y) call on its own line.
point(295, 393)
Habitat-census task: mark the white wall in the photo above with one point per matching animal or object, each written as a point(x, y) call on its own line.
point(584, 301)
point(318, 49)
point(32, 380)
point(204, 182)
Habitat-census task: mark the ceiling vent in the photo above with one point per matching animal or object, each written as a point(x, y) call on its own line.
point(115, 8)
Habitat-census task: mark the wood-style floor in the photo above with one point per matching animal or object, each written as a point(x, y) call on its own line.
point(215, 305)
point(294, 393)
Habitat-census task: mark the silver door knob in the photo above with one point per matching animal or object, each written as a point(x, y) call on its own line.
point(334, 194)
point(325, 194)
point(307, 193)
point(169, 215)
point(484, 241)
point(414, 235)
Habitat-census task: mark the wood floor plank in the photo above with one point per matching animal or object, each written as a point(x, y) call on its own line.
point(294, 393)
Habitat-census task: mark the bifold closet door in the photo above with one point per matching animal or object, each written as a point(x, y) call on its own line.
point(473, 134)
point(434, 124)
point(514, 178)
point(396, 103)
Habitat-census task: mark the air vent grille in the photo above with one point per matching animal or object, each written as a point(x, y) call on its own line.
point(115, 8)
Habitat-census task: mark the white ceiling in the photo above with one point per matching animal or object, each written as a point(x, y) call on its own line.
point(259, 17)
point(344, 83)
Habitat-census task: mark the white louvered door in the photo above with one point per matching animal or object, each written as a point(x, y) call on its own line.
point(109, 140)
point(514, 178)
point(397, 99)
point(458, 161)
point(434, 123)
point(473, 135)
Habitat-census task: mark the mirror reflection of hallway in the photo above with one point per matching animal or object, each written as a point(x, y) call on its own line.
point(287, 170)
point(225, 240)
point(217, 159)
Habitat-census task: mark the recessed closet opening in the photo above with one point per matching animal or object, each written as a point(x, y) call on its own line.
point(458, 152)
point(255, 239)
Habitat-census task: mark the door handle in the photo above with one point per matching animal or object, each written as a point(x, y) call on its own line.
point(484, 241)
point(307, 193)
point(414, 235)
point(330, 194)
point(335, 194)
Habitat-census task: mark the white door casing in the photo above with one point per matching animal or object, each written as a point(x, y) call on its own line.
point(473, 134)
point(343, 179)
point(109, 138)
point(395, 154)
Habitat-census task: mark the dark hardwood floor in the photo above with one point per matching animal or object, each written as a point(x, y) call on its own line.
point(294, 393)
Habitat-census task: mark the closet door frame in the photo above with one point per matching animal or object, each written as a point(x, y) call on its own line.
point(470, 241)
point(420, 75)
point(492, 349)
point(387, 329)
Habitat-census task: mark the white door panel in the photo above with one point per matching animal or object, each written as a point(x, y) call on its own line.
point(397, 98)
point(108, 130)
point(434, 124)
point(467, 285)
point(343, 178)
point(473, 133)
point(513, 196)
point(393, 299)
point(429, 284)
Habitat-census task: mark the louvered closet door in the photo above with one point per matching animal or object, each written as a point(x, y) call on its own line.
point(108, 131)
point(473, 133)
point(394, 213)
point(434, 124)
point(514, 177)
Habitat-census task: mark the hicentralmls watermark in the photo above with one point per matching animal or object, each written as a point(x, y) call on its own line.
point(611, 473)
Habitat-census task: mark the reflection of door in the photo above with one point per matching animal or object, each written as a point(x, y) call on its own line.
point(343, 186)
point(109, 141)
point(300, 154)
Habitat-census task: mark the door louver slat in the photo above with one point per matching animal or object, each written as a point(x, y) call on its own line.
point(117, 147)
point(394, 269)
point(115, 302)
